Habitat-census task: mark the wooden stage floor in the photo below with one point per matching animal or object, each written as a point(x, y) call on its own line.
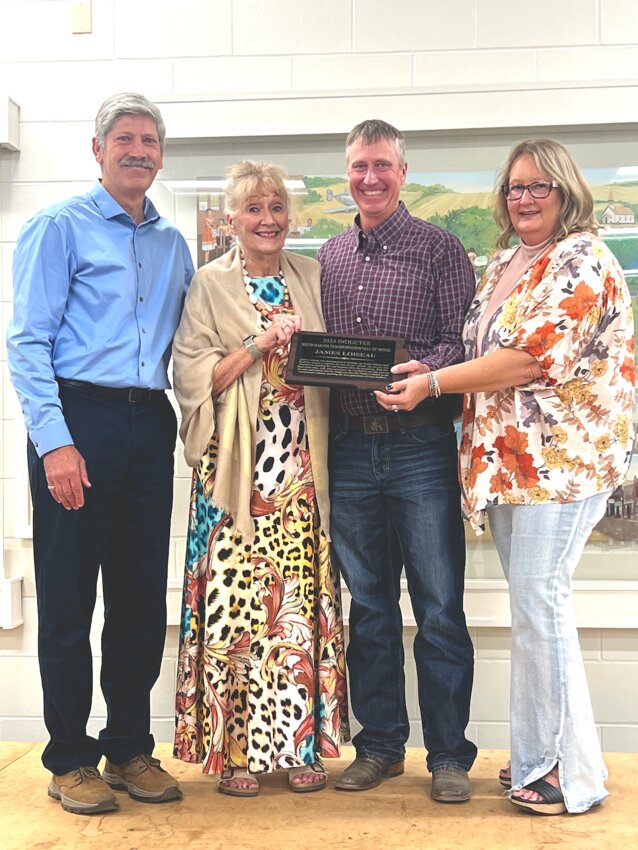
point(397, 814)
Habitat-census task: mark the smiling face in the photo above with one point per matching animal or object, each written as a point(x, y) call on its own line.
point(261, 225)
point(130, 158)
point(375, 179)
point(534, 219)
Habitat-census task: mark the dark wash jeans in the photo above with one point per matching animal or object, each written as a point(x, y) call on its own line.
point(122, 530)
point(402, 488)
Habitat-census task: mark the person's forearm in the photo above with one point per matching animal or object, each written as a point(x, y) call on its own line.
point(230, 368)
point(507, 367)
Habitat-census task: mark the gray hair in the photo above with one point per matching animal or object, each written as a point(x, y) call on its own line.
point(127, 103)
point(375, 130)
point(250, 177)
point(557, 164)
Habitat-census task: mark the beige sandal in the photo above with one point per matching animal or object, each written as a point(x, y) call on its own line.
point(304, 787)
point(230, 773)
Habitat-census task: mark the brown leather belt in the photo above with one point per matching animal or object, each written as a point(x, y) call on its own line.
point(384, 424)
point(131, 394)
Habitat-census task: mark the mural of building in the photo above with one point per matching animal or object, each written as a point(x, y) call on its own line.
point(617, 213)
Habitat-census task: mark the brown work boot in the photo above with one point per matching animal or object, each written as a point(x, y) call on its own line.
point(366, 772)
point(144, 779)
point(83, 792)
point(450, 785)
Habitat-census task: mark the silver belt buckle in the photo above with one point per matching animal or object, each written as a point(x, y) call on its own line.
point(375, 424)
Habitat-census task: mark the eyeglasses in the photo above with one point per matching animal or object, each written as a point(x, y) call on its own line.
point(514, 191)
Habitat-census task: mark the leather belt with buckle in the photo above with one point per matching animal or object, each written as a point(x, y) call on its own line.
point(383, 424)
point(130, 394)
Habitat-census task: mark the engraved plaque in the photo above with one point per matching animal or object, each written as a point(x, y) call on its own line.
point(328, 360)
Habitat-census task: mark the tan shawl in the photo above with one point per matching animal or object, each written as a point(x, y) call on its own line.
point(217, 317)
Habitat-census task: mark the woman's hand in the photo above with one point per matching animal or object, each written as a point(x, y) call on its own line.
point(279, 332)
point(406, 394)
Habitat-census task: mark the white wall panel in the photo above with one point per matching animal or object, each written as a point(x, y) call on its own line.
point(474, 68)
point(41, 32)
point(619, 22)
point(620, 739)
point(613, 689)
point(73, 91)
point(405, 25)
point(229, 74)
point(311, 73)
point(280, 27)
point(165, 28)
point(519, 23)
point(53, 153)
point(588, 63)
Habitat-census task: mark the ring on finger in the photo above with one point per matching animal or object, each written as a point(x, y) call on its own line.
point(395, 409)
point(51, 486)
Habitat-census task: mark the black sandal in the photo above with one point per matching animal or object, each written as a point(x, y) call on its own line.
point(553, 802)
point(505, 776)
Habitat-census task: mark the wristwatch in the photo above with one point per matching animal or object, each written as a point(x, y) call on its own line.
point(251, 348)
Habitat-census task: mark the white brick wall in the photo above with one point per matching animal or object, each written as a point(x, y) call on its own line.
point(429, 66)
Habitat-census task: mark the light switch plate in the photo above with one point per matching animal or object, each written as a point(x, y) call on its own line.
point(81, 16)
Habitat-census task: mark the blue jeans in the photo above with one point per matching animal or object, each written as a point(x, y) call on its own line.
point(395, 500)
point(551, 718)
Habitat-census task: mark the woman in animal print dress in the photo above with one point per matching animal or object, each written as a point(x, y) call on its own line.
point(261, 672)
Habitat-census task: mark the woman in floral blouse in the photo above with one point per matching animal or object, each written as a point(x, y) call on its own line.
point(547, 436)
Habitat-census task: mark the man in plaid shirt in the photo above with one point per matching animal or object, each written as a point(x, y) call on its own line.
point(394, 489)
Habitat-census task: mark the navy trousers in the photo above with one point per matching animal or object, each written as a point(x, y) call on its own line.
point(123, 531)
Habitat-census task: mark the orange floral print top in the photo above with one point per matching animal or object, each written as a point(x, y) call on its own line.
point(568, 434)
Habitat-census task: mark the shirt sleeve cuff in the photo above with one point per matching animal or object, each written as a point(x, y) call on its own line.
point(50, 437)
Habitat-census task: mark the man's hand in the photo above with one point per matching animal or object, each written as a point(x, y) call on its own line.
point(412, 367)
point(66, 476)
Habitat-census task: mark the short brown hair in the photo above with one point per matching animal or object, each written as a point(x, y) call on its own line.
point(375, 130)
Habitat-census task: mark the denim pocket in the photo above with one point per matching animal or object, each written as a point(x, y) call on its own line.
point(426, 434)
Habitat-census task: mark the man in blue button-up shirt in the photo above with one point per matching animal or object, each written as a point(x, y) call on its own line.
point(99, 282)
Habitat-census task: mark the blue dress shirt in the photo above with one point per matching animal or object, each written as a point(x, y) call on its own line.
point(96, 298)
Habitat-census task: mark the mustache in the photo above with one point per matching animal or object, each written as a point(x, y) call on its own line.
point(137, 162)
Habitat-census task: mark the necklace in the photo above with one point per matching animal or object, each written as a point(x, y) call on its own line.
point(266, 310)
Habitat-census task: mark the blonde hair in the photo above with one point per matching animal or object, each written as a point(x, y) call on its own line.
point(250, 177)
point(557, 164)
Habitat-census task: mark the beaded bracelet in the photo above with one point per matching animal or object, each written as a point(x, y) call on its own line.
point(434, 390)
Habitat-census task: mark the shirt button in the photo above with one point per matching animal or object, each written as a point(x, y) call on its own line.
point(385, 247)
point(367, 259)
point(140, 265)
point(358, 318)
point(141, 297)
point(143, 363)
point(359, 287)
point(143, 330)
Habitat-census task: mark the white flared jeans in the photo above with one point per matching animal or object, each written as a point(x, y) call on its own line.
point(551, 718)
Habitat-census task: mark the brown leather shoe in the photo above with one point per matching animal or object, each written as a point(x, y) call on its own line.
point(144, 779)
point(83, 792)
point(366, 772)
point(450, 785)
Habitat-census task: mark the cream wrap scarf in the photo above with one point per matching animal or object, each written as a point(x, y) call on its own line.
point(217, 316)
